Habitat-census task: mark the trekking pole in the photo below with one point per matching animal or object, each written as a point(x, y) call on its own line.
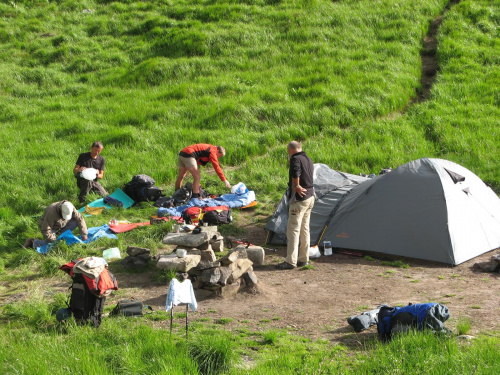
point(186, 321)
point(171, 320)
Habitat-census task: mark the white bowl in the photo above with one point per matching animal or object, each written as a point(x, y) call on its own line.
point(181, 253)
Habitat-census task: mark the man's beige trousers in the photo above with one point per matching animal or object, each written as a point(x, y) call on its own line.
point(297, 231)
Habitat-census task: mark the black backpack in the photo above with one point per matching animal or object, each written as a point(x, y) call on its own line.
point(126, 307)
point(85, 306)
point(142, 188)
point(218, 215)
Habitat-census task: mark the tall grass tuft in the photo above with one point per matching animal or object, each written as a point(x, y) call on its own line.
point(212, 352)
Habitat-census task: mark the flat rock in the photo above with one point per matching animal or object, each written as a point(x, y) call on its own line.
point(204, 265)
point(134, 250)
point(173, 262)
point(208, 256)
point(255, 253)
point(232, 257)
point(239, 267)
point(185, 239)
point(210, 276)
point(496, 258)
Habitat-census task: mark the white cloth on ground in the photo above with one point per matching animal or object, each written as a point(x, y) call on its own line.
point(90, 266)
point(181, 293)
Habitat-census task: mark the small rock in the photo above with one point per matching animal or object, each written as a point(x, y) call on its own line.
point(134, 263)
point(208, 256)
point(255, 253)
point(232, 257)
point(210, 276)
point(218, 245)
point(225, 272)
point(239, 267)
point(485, 266)
point(465, 337)
point(134, 250)
point(145, 256)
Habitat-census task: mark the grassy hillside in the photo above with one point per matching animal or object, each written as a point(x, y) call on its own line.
point(150, 77)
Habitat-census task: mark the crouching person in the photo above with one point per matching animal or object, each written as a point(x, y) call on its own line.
point(56, 219)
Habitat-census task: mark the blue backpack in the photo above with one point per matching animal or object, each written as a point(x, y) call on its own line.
point(417, 316)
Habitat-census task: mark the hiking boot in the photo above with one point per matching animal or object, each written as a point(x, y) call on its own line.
point(302, 264)
point(28, 244)
point(285, 266)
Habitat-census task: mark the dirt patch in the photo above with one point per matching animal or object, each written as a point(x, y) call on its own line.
point(316, 302)
point(428, 55)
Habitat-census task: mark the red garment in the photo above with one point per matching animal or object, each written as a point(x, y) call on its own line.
point(204, 153)
point(120, 228)
point(105, 281)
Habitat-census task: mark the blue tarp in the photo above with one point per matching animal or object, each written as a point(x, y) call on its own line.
point(118, 194)
point(229, 200)
point(93, 234)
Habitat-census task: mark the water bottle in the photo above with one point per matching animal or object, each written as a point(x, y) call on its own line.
point(327, 247)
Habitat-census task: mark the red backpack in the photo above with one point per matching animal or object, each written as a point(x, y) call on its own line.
point(191, 215)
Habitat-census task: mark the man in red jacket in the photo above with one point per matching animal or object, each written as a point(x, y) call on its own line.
point(201, 153)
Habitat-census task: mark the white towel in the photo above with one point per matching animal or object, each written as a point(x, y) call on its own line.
point(181, 293)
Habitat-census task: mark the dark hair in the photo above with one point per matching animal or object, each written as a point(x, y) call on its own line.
point(97, 144)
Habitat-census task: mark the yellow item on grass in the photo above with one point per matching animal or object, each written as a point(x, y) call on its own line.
point(93, 210)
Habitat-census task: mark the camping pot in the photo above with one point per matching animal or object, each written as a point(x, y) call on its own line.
point(181, 253)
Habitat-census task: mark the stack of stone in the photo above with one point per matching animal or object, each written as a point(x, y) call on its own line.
point(210, 276)
point(137, 258)
point(492, 266)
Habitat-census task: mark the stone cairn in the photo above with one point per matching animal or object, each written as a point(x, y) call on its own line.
point(137, 258)
point(210, 276)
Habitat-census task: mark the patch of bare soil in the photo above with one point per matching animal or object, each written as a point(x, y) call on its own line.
point(316, 302)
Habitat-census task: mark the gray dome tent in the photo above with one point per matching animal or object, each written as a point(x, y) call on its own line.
point(429, 209)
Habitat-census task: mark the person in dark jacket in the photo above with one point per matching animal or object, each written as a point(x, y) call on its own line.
point(56, 219)
point(301, 202)
point(199, 154)
point(92, 159)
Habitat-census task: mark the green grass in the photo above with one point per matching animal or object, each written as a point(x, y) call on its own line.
point(464, 326)
point(149, 77)
point(395, 263)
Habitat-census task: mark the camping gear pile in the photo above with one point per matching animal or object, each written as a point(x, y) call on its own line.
point(396, 320)
point(429, 209)
point(92, 283)
point(210, 276)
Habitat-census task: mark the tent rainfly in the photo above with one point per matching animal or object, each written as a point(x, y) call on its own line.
point(429, 209)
